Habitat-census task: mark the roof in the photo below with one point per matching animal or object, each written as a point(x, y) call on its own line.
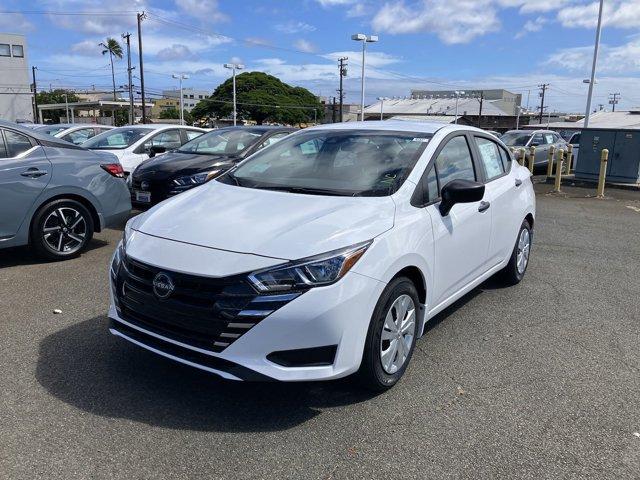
point(157, 126)
point(424, 118)
point(260, 128)
point(435, 106)
point(392, 125)
point(619, 119)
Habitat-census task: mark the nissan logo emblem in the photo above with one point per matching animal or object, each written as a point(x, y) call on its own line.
point(163, 286)
point(144, 185)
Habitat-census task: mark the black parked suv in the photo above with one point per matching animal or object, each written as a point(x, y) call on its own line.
point(198, 161)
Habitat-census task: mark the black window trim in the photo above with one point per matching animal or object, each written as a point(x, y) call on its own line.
point(418, 194)
point(485, 179)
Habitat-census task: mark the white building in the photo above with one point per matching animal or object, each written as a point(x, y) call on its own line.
point(15, 86)
point(190, 96)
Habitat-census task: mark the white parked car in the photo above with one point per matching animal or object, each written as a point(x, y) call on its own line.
point(324, 254)
point(135, 143)
point(73, 132)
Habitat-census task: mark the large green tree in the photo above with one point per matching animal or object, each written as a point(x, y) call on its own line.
point(262, 98)
point(174, 114)
point(56, 96)
point(113, 48)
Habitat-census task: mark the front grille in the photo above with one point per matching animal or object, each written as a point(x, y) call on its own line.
point(208, 313)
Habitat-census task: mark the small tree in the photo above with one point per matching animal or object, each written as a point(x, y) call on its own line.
point(174, 114)
point(113, 48)
point(56, 96)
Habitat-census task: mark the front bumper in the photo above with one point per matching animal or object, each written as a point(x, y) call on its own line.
point(335, 316)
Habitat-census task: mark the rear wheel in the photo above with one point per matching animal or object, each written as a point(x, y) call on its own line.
point(514, 272)
point(391, 337)
point(61, 229)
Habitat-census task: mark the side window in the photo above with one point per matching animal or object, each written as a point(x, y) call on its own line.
point(272, 139)
point(454, 161)
point(191, 134)
point(548, 138)
point(79, 136)
point(169, 139)
point(537, 139)
point(506, 159)
point(490, 157)
point(16, 143)
point(3, 151)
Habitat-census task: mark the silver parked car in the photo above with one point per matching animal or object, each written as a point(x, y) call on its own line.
point(541, 139)
point(76, 133)
point(54, 195)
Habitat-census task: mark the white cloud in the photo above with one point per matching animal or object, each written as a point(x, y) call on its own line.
point(17, 23)
point(374, 59)
point(305, 46)
point(175, 52)
point(204, 10)
point(533, 6)
point(453, 21)
point(611, 59)
point(357, 10)
point(616, 13)
point(331, 3)
point(532, 26)
point(294, 27)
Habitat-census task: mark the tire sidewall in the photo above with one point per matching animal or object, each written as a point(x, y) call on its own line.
point(37, 240)
point(514, 257)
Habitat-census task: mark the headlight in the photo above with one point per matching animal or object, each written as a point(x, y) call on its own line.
point(121, 249)
point(195, 179)
point(310, 272)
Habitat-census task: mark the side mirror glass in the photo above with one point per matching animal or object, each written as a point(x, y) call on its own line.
point(460, 191)
point(155, 150)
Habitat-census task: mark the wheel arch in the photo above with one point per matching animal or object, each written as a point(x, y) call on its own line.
point(414, 274)
point(70, 196)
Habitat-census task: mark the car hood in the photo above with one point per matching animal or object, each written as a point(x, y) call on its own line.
point(171, 163)
point(268, 223)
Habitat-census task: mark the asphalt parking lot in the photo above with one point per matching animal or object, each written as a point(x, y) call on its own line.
point(541, 380)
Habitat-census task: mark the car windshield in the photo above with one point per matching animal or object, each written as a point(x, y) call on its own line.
point(116, 139)
point(51, 129)
point(333, 162)
point(221, 142)
point(515, 139)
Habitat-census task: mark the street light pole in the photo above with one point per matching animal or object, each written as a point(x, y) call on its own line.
point(234, 67)
point(181, 77)
point(361, 37)
point(66, 106)
point(457, 93)
point(593, 67)
point(382, 99)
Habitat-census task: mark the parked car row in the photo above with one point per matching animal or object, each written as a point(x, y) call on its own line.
point(543, 140)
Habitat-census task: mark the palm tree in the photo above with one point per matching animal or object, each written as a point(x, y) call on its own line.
point(115, 50)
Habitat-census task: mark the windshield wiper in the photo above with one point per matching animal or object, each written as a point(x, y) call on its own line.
point(304, 190)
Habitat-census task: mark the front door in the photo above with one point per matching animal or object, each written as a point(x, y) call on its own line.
point(461, 237)
point(24, 173)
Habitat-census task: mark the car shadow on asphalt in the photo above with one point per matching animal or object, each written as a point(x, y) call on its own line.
point(85, 366)
point(16, 256)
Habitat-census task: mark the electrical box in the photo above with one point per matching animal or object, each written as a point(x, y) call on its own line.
point(624, 155)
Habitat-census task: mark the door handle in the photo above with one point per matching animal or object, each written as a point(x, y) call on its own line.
point(518, 182)
point(33, 173)
point(484, 206)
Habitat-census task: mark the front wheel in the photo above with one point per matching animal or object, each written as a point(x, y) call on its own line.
point(514, 272)
point(391, 337)
point(61, 229)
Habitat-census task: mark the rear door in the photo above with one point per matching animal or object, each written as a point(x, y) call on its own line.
point(25, 171)
point(501, 191)
point(461, 237)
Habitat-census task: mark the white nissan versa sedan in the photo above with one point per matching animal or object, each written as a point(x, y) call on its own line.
point(324, 254)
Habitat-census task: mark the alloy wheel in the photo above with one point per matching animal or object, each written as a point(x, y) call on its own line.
point(398, 331)
point(64, 230)
point(524, 245)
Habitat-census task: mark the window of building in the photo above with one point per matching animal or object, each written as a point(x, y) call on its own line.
point(5, 50)
point(18, 51)
point(190, 96)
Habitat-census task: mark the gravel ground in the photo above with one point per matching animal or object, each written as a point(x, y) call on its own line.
point(538, 381)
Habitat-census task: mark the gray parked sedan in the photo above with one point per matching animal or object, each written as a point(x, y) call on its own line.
point(541, 139)
point(54, 195)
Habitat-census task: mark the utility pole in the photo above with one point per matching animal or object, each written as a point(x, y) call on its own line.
point(35, 95)
point(543, 90)
point(141, 16)
point(342, 64)
point(132, 117)
point(613, 100)
point(333, 110)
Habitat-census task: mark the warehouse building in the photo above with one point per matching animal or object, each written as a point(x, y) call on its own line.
point(16, 97)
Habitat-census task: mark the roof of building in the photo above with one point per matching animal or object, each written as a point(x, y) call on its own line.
point(435, 106)
point(620, 119)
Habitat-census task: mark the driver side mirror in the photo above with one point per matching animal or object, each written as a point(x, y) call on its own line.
point(154, 150)
point(460, 191)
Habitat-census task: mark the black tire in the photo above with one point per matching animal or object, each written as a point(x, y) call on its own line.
point(83, 230)
point(511, 274)
point(372, 374)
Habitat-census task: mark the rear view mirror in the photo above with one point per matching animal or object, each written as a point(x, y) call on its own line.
point(460, 191)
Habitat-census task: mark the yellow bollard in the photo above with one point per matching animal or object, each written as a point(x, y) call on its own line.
point(569, 158)
point(559, 159)
point(532, 158)
point(552, 151)
point(604, 156)
point(523, 156)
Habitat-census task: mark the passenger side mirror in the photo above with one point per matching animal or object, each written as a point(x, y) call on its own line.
point(156, 149)
point(460, 191)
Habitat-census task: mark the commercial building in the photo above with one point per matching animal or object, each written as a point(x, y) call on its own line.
point(190, 97)
point(16, 96)
point(501, 98)
point(163, 104)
